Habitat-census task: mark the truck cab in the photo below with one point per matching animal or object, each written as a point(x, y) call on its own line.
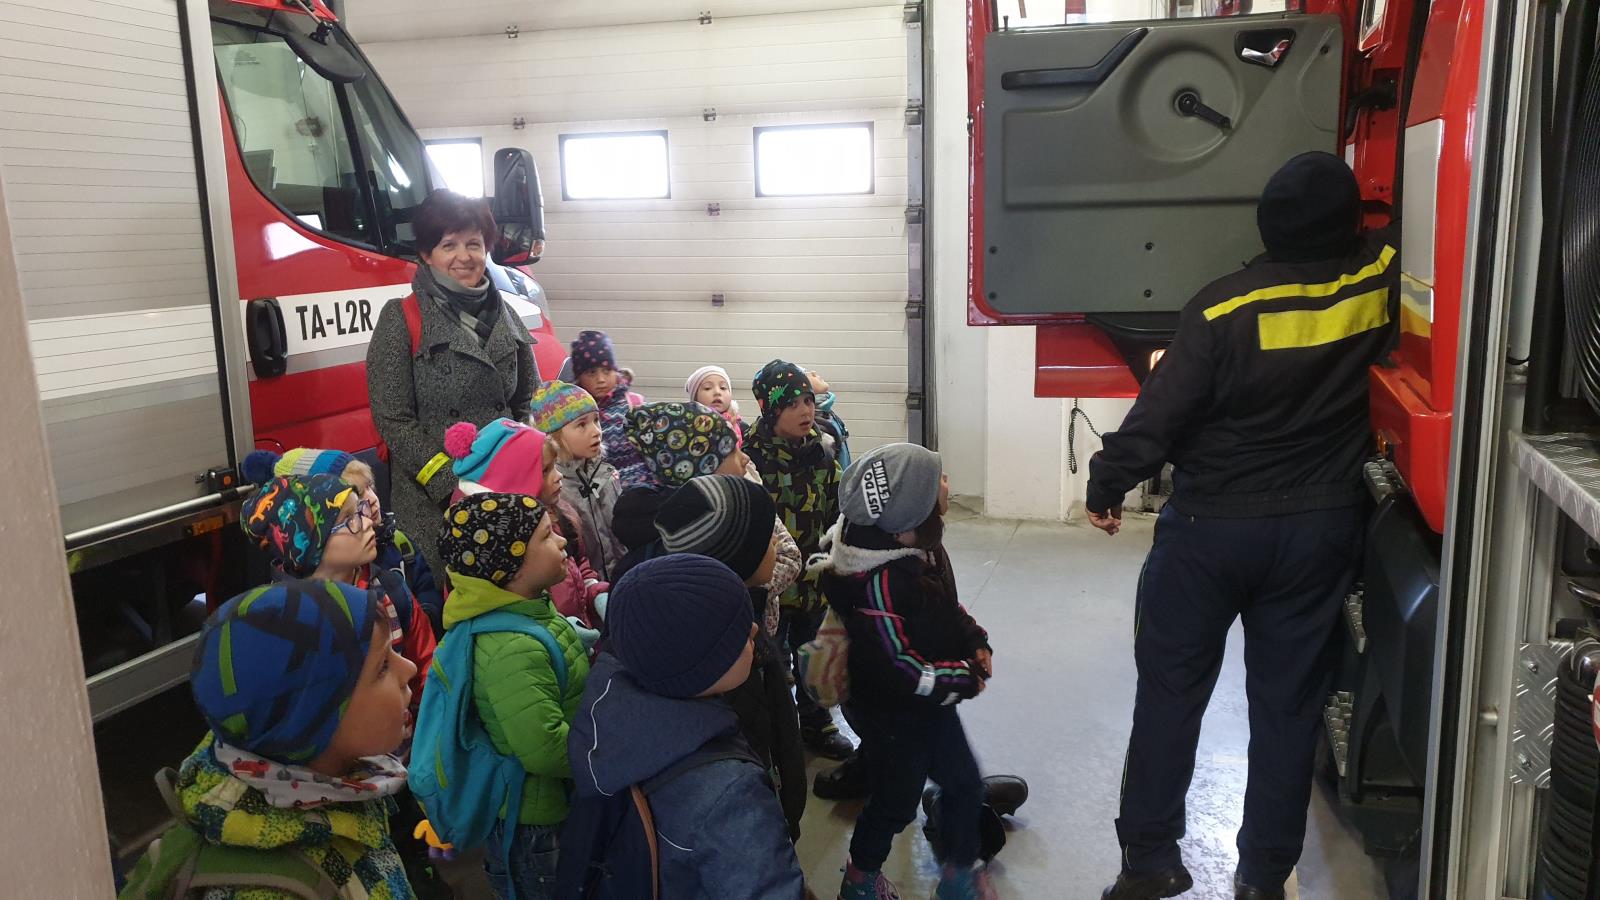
point(1115, 171)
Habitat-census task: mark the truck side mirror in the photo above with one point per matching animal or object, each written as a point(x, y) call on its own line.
point(518, 208)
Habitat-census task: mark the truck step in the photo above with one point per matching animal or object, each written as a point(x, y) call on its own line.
point(1337, 715)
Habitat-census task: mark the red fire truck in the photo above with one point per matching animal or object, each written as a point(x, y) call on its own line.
point(1115, 169)
point(212, 202)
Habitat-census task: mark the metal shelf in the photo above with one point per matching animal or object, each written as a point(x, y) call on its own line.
point(1566, 468)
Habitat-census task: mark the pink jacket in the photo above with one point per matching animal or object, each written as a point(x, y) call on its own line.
point(575, 594)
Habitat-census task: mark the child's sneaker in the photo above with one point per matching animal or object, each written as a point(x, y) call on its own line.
point(859, 885)
point(965, 883)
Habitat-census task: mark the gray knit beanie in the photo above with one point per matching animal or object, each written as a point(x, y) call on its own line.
point(724, 517)
point(894, 487)
point(678, 623)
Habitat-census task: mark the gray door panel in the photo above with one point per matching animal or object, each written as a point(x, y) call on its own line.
point(1100, 195)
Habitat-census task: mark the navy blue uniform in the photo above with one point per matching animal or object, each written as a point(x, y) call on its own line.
point(1261, 407)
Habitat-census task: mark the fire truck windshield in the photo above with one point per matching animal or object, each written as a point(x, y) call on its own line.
point(317, 131)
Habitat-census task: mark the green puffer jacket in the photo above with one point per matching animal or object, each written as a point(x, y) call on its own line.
point(515, 692)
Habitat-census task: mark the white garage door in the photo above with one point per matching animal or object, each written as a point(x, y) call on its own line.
point(712, 273)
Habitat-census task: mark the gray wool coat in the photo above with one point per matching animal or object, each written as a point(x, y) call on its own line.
point(415, 398)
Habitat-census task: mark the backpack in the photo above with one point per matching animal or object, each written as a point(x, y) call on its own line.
point(823, 669)
point(464, 784)
point(609, 849)
point(181, 863)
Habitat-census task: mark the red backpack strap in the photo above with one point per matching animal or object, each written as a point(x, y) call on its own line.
point(412, 310)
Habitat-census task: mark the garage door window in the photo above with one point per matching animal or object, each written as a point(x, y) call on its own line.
point(813, 160)
point(630, 166)
point(460, 163)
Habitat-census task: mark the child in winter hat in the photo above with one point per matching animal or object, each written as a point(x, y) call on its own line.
point(292, 518)
point(802, 476)
point(828, 420)
point(512, 458)
point(503, 556)
point(594, 368)
point(725, 517)
point(681, 636)
point(314, 527)
point(914, 654)
point(677, 442)
point(589, 483)
point(711, 386)
point(304, 699)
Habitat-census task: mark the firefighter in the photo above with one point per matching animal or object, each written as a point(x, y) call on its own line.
point(1261, 407)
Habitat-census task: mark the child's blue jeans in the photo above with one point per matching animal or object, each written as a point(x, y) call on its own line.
point(534, 851)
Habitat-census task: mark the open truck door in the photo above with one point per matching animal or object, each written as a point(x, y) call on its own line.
point(1117, 169)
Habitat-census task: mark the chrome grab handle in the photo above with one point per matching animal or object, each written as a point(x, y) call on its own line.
point(1268, 58)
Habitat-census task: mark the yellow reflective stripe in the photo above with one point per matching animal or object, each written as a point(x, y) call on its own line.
point(438, 462)
point(1326, 289)
point(1315, 327)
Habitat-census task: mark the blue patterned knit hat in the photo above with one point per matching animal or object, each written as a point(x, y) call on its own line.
point(276, 666)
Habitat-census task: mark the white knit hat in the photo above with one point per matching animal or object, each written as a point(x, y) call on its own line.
point(692, 386)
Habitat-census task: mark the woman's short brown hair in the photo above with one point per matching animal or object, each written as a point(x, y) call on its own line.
point(447, 211)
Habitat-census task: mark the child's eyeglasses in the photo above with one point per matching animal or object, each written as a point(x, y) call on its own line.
point(363, 516)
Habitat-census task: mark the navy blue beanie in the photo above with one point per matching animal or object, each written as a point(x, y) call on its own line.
point(678, 623)
point(276, 666)
point(1310, 209)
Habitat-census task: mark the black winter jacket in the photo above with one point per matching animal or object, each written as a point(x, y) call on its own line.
point(1261, 402)
point(911, 641)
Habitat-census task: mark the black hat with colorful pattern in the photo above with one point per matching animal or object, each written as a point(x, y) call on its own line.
point(487, 535)
point(779, 385)
point(680, 441)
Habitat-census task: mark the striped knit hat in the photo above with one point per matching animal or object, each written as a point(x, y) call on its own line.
point(276, 666)
point(557, 404)
point(724, 517)
point(261, 466)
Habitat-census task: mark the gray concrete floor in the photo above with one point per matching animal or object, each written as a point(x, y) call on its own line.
point(1058, 603)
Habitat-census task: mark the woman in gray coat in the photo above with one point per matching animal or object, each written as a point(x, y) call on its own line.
point(471, 362)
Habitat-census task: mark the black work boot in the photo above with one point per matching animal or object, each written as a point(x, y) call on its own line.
point(849, 780)
point(1149, 885)
point(1006, 793)
point(827, 742)
point(991, 828)
point(1242, 891)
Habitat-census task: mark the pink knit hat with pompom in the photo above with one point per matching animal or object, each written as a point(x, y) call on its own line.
point(504, 456)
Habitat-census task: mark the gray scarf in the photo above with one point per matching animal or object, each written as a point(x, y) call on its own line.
point(477, 309)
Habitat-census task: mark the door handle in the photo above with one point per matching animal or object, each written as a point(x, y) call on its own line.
point(1269, 58)
point(1077, 76)
point(1190, 104)
point(267, 337)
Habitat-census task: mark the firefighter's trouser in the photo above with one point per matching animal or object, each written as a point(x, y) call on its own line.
point(1287, 577)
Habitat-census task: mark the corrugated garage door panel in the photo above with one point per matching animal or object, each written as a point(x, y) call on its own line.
point(820, 280)
point(102, 193)
point(840, 59)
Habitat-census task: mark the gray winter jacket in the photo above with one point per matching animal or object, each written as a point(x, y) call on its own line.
point(450, 379)
point(590, 486)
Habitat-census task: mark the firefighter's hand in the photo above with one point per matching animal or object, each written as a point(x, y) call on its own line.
point(1110, 523)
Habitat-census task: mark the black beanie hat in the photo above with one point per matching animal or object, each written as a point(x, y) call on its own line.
point(724, 517)
point(1310, 209)
point(779, 385)
point(678, 623)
